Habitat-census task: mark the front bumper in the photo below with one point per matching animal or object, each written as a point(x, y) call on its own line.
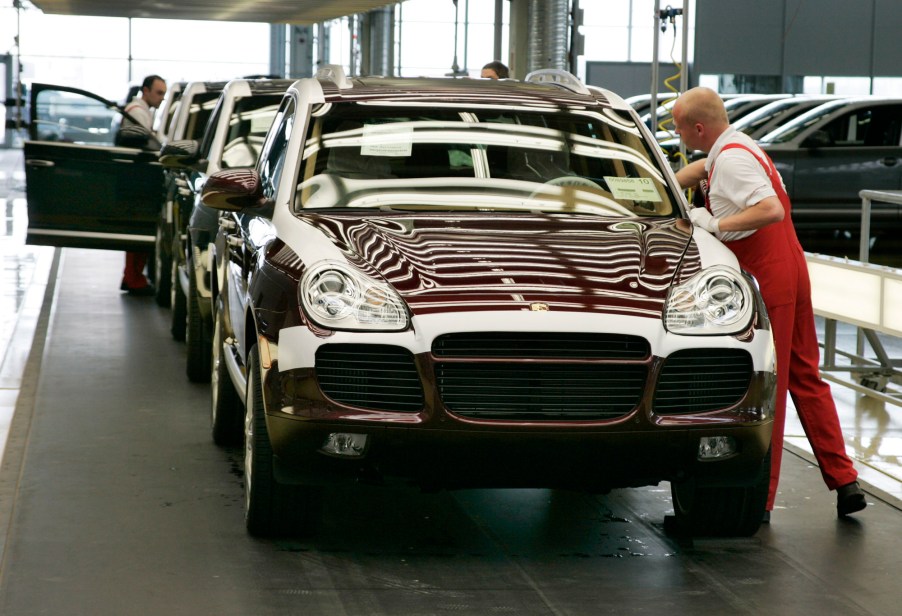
point(436, 448)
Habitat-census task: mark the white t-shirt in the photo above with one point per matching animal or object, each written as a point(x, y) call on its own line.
point(740, 180)
point(139, 110)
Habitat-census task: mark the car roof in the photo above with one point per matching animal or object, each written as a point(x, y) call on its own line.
point(782, 104)
point(415, 90)
point(827, 108)
point(268, 86)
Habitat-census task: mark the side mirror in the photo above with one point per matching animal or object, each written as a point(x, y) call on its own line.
point(180, 153)
point(232, 190)
point(818, 139)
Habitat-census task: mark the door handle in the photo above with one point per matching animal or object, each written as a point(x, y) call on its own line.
point(40, 163)
point(890, 161)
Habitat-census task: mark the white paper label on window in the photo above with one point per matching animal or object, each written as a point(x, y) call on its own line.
point(386, 140)
point(635, 189)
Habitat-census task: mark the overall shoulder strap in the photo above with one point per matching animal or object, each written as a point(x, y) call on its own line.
point(767, 163)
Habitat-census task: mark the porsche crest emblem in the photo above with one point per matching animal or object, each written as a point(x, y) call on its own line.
point(538, 307)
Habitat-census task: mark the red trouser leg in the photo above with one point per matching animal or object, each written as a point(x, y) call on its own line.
point(133, 276)
point(798, 358)
point(781, 319)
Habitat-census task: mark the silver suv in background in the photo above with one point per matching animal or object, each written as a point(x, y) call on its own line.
point(239, 120)
point(186, 119)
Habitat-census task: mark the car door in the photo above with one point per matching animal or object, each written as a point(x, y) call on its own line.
point(859, 149)
point(81, 189)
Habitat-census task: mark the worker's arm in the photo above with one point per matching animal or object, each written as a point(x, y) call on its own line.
point(692, 174)
point(768, 210)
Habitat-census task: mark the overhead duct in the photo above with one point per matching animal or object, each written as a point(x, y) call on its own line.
point(549, 29)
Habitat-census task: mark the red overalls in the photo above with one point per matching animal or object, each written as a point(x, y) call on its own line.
point(775, 258)
point(133, 276)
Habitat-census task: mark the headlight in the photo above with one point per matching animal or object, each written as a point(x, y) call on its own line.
point(717, 300)
point(337, 297)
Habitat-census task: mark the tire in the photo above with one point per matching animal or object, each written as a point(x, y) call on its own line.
point(271, 508)
point(162, 264)
point(227, 410)
point(198, 337)
point(179, 305)
point(721, 511)
point(151, 266)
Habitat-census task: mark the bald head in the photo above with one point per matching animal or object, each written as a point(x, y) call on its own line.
point(700, 118)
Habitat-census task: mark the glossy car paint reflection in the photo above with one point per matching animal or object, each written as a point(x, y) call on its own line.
point(443, 263)
point(479, 277)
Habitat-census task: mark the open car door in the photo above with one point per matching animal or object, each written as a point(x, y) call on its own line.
point(82, 189)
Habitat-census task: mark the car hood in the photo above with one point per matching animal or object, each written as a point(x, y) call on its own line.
point(481, 261)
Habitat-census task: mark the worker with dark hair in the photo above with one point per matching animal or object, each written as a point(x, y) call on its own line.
point(139, 111)
point(495, 70)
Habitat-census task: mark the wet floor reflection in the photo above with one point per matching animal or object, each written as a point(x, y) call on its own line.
point(18, 262)
point(877, 442)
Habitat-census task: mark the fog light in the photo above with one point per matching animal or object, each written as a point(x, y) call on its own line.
point(344, 444)
point(713, 447)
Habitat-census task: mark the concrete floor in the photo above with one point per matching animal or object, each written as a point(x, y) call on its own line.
point(113, 499)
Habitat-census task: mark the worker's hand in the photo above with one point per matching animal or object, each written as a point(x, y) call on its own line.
point(702, 218)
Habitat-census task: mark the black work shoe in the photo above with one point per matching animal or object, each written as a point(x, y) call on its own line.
point(141, 291)
point(849, 499)
point(123, 286)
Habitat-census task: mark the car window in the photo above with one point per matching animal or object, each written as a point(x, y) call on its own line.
point(251, 119)
point(275, 149)
point(202, 105)
point(787, 132)
point(429, 157)
point(73, 118)
point(776, 113)
point(165, 114)
point(206, 144)
point(877, 126)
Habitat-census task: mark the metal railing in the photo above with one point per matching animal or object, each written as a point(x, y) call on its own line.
point(868, 297)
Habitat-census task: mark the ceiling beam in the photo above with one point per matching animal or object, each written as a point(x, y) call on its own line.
point(264, 11)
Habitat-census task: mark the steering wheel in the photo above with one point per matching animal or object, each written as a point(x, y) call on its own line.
point(568, 180)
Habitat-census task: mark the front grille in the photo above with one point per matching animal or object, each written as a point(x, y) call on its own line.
point(374, 376)
point(540, 391)
point(543, 345)
point(700, 380)
point(572, 388)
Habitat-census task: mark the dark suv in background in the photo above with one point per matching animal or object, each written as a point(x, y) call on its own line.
point(829, 154)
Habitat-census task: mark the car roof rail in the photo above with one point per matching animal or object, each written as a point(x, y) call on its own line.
point(336, 74)
point(559, 77)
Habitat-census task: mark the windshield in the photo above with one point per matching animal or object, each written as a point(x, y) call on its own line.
point(753, 120)
point(788, 131)
point(482, 158)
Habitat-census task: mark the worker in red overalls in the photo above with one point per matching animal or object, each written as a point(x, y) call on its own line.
point(748, 209)
point(153, 90)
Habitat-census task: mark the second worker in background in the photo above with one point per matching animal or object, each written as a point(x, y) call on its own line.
point(153, 89)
